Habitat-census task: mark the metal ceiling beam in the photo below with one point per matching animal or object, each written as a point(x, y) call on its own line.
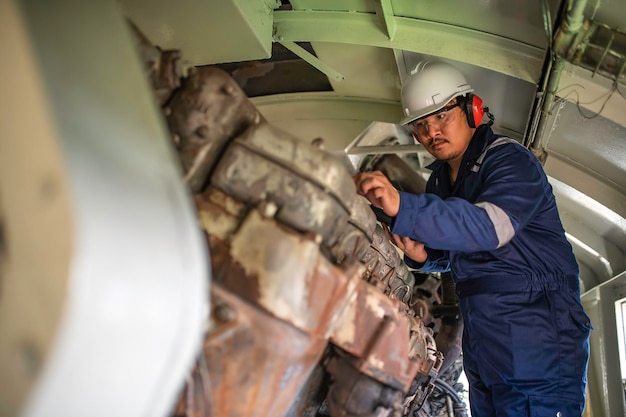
point(447, 41)
point(326, 106)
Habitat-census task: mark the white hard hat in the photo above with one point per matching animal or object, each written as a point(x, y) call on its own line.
point(431, 85)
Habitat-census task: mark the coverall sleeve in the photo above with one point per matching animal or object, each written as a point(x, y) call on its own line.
point(511, 186)
point(437, 261)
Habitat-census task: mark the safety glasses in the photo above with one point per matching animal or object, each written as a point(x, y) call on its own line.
point(437, 120)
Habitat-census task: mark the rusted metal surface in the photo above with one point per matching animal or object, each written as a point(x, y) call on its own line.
point(392, 347)
point(207, 112)
point(356, 394)
point(386, 270)
point(311, 400)
point(251, 363)
point(320, 301)
point(300, 270)
point(355, 237)
point(289, 278)
point(220, 215)
point(305, 183)
point(317, 301)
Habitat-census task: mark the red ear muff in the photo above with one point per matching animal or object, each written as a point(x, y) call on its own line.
point(474, 109)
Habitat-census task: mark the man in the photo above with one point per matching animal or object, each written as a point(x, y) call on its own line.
point(489, 216)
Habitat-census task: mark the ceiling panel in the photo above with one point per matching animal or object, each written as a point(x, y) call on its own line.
point(594, 142)
point(515, 19)
point(195, 28)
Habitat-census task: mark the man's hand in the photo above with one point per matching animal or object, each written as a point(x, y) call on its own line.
point(378, 190)
point(411, 248)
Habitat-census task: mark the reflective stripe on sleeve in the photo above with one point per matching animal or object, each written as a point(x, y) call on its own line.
point(501, 222)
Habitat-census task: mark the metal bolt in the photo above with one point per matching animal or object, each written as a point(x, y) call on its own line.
point(224, 313)
point(268, 209)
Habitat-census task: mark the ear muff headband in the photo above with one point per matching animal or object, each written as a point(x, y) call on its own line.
point(474, 110)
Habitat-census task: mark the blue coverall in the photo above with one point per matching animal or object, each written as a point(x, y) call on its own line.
point(497, 228)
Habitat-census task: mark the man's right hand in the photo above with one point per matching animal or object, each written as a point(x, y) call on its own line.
point(379, 191)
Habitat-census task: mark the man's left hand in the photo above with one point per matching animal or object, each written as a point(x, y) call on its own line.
point(412, 248)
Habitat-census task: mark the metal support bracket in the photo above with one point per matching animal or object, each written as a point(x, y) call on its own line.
point(312, 59)
point(385, 8)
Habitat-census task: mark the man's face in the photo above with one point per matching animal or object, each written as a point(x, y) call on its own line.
point(445, 134)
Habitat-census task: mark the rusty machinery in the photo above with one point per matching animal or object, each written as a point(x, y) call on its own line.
point(307, 292)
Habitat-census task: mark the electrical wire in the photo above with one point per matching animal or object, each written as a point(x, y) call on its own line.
point(444, 387)
point(606, 96)
point(594, 115)
point(581, 111)
point(448, 389)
